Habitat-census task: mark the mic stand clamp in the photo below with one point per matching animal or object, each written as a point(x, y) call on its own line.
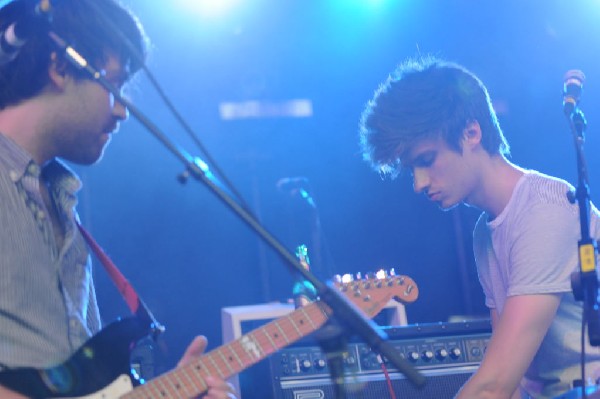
point(584, 283)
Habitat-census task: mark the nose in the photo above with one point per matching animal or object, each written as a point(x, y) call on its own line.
point(420, 180)
point(120, 111)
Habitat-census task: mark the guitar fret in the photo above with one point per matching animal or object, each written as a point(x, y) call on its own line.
point(241, 353)
point(199, 369)
point(236, 356)
point(294, 324)
point(276, 324)
point(172, 384)
point(190, 381)
point(181, 386)
point(160, 387)
point(216, 366)
point(194, 374)
point(231, 370)
point(312, 324)
point(319, 315)
point(289, 326)
point(273, 344)
point(300, 324)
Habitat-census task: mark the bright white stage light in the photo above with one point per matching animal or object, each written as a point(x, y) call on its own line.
point(208, 8)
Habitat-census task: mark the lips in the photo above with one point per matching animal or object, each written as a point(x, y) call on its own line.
point(434, 196)
point(112, 129)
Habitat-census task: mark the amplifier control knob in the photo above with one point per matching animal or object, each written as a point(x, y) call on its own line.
point(476, 351)
point(441, 354)
point(350, 360)
point(413, 356)
point(427, 355)
point(320, 364)
point(305, 365)
point(455, 353)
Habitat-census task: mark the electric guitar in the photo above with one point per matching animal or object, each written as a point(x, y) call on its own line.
point(100, 369)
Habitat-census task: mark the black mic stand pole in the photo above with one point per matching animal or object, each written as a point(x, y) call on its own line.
point(584, 283)
point(345, 312)
point(331, 336)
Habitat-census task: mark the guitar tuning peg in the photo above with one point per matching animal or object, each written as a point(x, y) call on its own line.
point(381, 274)
point(337, 278)
point(347, 278)
point(392, 272)
point(370, 276)
point(358, 276)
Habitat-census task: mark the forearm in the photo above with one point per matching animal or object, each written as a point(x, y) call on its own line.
point(480, 387)
point(5, 393)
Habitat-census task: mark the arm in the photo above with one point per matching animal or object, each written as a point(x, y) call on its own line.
point(517, 336)
point(217, 387)
point(6, 393)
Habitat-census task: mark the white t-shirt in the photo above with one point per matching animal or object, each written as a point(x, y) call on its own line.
point(531, 248)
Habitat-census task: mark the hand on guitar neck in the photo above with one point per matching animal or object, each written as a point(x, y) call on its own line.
point(217, 387)
point(8, 394)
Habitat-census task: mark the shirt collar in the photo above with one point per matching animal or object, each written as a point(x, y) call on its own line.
point(18, 161)
point(14, 158)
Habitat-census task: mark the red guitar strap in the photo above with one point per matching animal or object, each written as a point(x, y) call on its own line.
point(124, 287)
point(135, 304)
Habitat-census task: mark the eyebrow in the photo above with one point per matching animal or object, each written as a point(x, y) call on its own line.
point(420, 158)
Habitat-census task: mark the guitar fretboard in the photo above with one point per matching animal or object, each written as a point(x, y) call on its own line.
point(230, 359)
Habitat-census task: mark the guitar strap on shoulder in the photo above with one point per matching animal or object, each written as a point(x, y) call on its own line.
point(134, 302)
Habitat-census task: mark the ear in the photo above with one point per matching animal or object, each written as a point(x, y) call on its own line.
point(57, 71)
point(472, 134)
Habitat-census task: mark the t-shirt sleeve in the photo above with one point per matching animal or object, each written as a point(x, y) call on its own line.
point(543, 250)
point(481, 245)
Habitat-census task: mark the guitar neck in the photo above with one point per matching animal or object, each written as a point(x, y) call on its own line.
point(230, 359)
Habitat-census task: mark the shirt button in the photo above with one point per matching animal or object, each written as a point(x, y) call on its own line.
point(33, 169)
point(40, 215)
point(32, 205)
point(14, 175)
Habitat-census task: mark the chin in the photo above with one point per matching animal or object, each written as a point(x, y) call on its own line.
point(86, 159)
point(448, 206)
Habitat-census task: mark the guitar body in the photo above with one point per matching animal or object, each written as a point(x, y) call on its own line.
point(101, 361)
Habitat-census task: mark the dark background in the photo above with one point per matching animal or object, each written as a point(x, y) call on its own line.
point(189, 256)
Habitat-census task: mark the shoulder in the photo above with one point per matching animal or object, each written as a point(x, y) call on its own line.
point(539, 203)
point(545, 189)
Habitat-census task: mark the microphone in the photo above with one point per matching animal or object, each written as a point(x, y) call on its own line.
point(296, 186)
point(291, 183)
point(22, 29)
point(572, 90)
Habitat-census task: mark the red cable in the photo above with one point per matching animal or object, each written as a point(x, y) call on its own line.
point(387, 377)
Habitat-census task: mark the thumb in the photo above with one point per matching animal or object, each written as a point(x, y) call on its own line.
point(194, 350)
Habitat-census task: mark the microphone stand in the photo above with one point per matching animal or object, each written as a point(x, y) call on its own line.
point(331, 337)
point(584, 283)
point(345, 312)
point(334, 342)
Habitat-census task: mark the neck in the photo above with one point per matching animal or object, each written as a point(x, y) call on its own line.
point(25, 124)
point(497, 180)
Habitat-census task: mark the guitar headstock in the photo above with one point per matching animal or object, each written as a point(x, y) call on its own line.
point(371, 294)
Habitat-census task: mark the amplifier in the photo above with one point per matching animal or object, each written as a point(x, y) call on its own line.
point(447, 354)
